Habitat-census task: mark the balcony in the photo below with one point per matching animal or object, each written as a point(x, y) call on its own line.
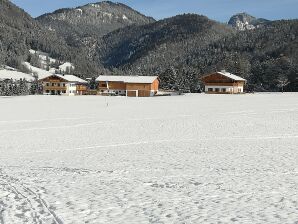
point(61, 88)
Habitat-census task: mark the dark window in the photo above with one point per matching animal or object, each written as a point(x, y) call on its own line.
point(53, 84)
point(103, 85)
point(48, 84)
point(59, 84)
point(216, 89)
point(64, 84)
point(63, 91)
point(223, 90)
point(210, 89)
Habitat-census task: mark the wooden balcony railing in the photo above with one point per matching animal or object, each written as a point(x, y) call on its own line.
point(61, 88)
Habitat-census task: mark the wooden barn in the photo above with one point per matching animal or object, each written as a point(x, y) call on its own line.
point(223, 83)
point(134, 86)
point(63, 85)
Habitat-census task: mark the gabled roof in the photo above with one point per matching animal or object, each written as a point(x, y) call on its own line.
point(15, 75)
point(72, 78)
point(127, 79)
point(68, 78)
point(231, 76)
point(228, 75)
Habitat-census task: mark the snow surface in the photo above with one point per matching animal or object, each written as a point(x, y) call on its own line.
point(184, 159)
point(15, 75)
point(40, 72)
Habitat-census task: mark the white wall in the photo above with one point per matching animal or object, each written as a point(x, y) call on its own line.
point(71, 89)
point(233, 89)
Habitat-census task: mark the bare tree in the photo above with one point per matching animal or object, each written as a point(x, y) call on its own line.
point(282, 82)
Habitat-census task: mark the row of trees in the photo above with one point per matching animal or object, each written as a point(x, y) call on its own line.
point(22, 87)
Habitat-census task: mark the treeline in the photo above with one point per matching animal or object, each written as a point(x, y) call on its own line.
point(182, 49)
point(10, 87)
point(179, 50)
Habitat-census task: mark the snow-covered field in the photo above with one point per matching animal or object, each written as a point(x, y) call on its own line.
point(182, 159)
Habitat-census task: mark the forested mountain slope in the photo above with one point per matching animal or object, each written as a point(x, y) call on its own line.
point(112, 38)
point(182, 48)
point(84, 24)
point(19, 33)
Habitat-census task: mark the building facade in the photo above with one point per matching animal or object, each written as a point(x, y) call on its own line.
point(223, 83)
point(63, 85)
point(133, 86)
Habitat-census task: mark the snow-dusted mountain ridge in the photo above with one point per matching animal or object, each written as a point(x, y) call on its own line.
point(244, 21)
point(93, 19)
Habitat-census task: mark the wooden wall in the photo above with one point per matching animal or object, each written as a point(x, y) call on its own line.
point(144, 89)
point(217, 78)
point(113, 85)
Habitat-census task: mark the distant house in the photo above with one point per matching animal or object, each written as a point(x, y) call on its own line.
point(223, 83)
point(63, 85)
point(134, 86)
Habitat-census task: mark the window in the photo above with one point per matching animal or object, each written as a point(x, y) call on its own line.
point(63, 84)
point(223, 90)
point(216, 89)
point(59, 84)
point(47, 84)
point(103, 85)
point(53, 84)
point(48, 91)
point(63, 91)
point(210, 89)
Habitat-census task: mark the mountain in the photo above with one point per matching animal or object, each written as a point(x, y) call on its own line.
point(20, 33)
point(83, 25)
point(15, 35)
point(111, 38)
point(185, 47)
point(244, 21)
point(157, 45)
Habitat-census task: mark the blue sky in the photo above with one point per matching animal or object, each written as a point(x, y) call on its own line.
point(220, 10)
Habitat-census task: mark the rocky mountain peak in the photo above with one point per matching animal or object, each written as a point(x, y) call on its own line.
point(244, 21)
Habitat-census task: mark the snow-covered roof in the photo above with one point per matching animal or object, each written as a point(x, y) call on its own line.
point(66, 65)
point(15, 75)
point(127, 79)
point(72, 78)
point(69, 78)
point(231, 76)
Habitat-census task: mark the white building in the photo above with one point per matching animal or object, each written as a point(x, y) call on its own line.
point(223, 83)
point(63, 85)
